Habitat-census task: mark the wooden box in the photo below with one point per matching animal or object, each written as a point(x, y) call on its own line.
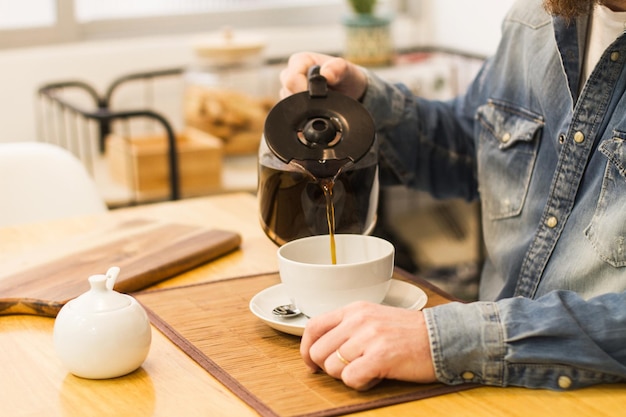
point(141, 162)
point(235, 117)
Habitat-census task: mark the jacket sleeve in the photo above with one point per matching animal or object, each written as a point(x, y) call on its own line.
point(426, 145)
point(558, 341)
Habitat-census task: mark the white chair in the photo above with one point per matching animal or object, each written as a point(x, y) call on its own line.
point(40, 181)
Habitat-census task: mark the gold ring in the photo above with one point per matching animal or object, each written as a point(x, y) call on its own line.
point(341, 358)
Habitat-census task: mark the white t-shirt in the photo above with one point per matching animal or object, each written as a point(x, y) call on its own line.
point(605, 26)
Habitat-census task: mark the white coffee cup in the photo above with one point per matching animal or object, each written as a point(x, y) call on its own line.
point(315, 285)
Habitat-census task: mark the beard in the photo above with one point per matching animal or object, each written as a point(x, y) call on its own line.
point(569, 9)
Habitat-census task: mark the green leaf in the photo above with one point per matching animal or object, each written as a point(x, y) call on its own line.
point(363, 6)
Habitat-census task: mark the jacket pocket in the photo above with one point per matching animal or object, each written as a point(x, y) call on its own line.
point(507, 149)
point(607, 230)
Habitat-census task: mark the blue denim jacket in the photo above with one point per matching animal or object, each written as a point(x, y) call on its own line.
point(548, 162)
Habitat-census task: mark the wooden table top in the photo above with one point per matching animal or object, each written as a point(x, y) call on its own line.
point(34, 381)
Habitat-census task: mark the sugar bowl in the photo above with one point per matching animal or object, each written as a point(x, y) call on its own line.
point(102, 333)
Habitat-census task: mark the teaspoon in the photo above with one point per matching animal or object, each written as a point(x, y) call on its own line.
point(286, 311)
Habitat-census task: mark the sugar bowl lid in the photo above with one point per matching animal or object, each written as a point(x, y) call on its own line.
point(101, 297)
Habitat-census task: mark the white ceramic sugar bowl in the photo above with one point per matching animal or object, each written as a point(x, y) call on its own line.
point(102, 333)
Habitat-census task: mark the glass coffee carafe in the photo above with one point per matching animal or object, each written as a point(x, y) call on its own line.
point(318, 165)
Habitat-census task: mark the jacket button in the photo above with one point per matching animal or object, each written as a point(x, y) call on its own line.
point(506, 137)
point(467, 375)
point(579, 137)
point(614, 56)
point(564, 382)
point(551, 222)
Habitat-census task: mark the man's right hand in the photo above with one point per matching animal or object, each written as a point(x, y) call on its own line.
point(340, 74)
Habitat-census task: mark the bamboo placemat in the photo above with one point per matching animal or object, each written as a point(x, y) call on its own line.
point(211, 322)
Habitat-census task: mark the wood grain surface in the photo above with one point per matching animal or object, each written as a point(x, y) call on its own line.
point(211, 322)
point(147, 252)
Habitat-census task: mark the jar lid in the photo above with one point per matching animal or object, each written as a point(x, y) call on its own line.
point(227, 47)
point(100, 298)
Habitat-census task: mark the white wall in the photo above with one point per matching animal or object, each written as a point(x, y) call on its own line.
point(473, 26)
point(468, 25)
point(23, 71)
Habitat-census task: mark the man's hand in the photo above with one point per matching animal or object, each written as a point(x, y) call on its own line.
point(340, 74)
point(364, 343)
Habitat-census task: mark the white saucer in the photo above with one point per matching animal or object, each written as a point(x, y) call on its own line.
point(401, 294)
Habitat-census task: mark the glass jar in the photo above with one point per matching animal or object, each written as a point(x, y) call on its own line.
point(228, 91)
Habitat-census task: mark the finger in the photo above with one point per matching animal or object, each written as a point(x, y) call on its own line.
point(325, 333)
point(294, 77)
point(343, 357)
point(284, 93)
point(340, 74)
point(344, 77)
point(361, 374)
point(292, 82)
point(316, 344)
point(335, 363)
point(364, 370)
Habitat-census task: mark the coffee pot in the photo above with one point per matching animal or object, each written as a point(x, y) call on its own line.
point(318, 165)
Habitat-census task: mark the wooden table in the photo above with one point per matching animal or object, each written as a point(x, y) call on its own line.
point(33, 381)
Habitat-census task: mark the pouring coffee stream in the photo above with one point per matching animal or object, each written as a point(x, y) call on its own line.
point(327, 186)
point(318, 166)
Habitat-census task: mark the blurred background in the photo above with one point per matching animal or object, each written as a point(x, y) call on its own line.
point(208, 70)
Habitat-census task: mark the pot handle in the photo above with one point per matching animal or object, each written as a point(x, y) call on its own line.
point(317, 82)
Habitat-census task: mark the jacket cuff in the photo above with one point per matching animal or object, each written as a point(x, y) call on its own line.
point(467, 343)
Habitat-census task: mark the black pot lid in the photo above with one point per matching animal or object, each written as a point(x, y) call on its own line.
point(320, 129)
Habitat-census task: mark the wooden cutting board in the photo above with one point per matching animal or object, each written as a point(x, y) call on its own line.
point(147, 252)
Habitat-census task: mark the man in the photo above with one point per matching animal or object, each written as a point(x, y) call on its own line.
point(540, 138)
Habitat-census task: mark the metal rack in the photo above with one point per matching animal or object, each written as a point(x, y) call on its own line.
point(73, 115)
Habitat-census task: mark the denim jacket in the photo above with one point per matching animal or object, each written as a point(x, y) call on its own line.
point(548, 161)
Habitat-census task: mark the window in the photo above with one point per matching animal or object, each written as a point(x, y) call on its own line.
point(27, 13)
point(38, 22)
point(92, 10)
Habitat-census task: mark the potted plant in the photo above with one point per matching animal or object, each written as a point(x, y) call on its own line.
point(368, 35)
point(363, 7)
